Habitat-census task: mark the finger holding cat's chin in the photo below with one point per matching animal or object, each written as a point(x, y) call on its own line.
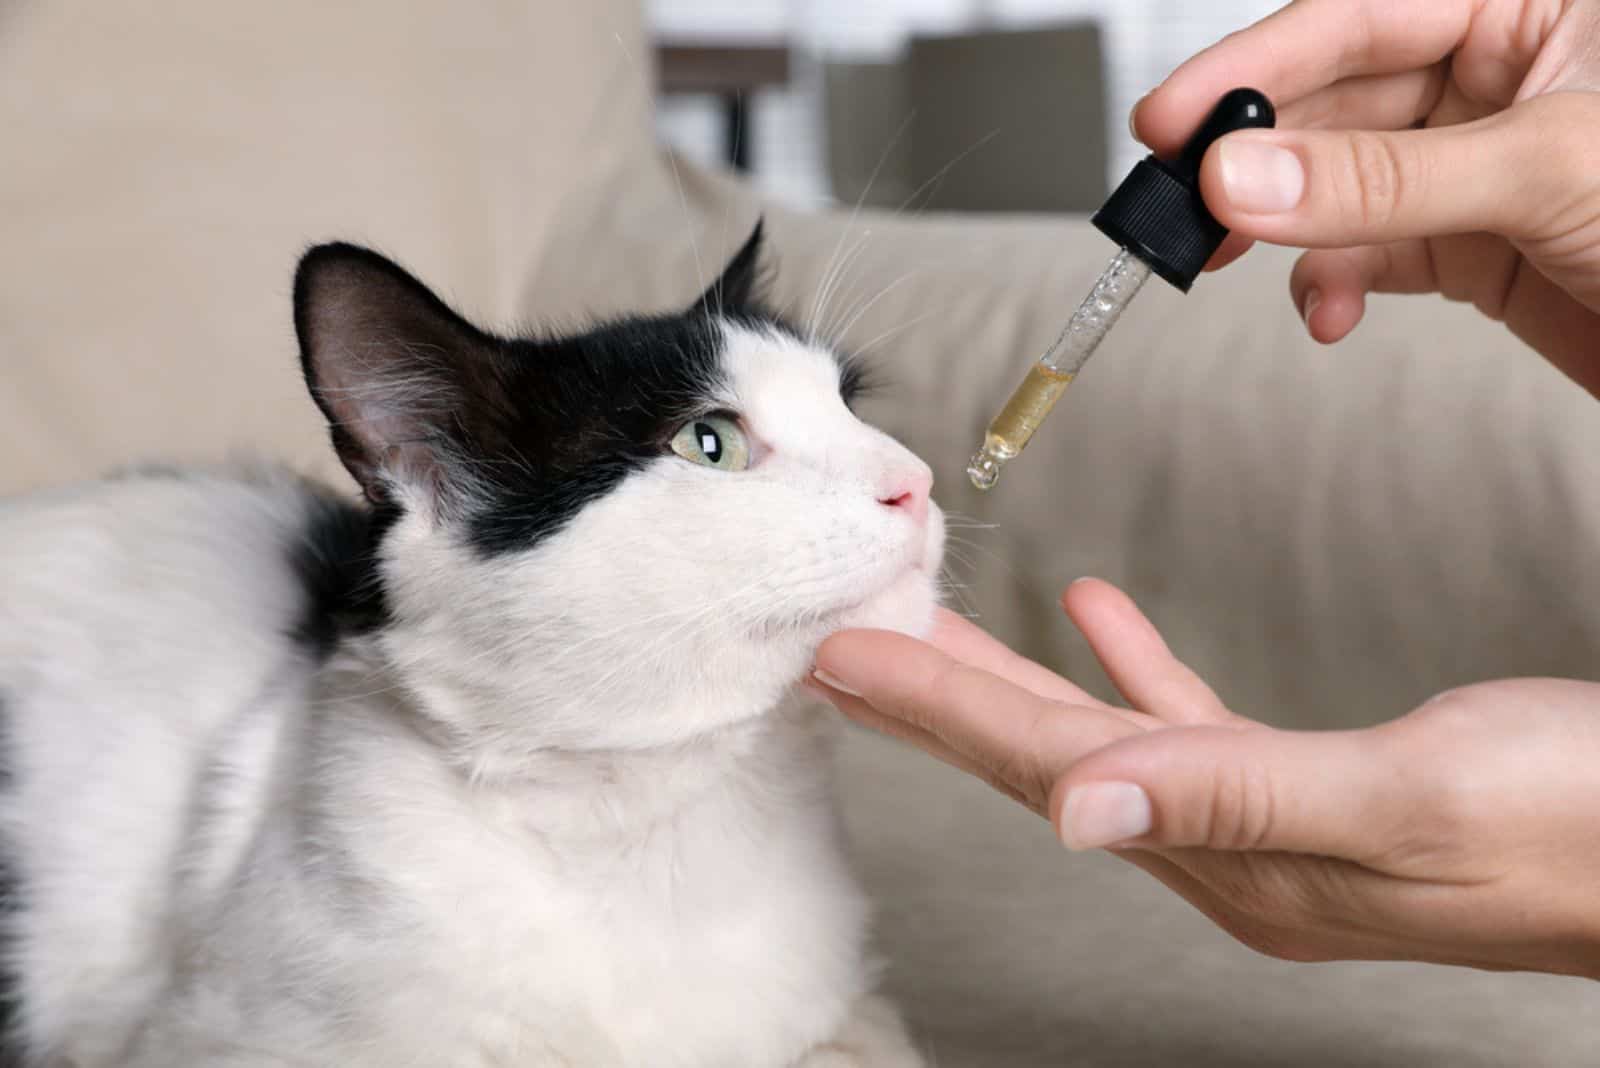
point(971, 644)
point(857, 709)
point(1020, 736)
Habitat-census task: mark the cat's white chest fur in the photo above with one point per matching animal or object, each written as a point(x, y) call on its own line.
point(723, 930)
point(725, 934)
point(686, 908)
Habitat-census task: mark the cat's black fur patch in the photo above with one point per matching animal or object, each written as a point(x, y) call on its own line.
point(511, 436)
point(855, 381)
point(334, 558)
point(592, 409)
point(741, 287)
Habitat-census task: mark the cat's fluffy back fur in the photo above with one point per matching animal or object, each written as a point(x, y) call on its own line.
point(141, 619)
point(493, 768)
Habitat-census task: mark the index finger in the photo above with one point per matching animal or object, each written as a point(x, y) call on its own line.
point(971, 644)
point(1309, 45)
point(1025, 739)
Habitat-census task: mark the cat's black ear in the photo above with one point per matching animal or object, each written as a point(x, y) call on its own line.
point(390, 366)
point(739, 285)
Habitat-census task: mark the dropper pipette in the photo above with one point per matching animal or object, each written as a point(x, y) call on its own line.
point(1159, 218)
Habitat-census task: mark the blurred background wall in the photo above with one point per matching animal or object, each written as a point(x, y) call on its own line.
point(870, 81)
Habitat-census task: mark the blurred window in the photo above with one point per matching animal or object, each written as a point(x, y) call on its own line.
point(1144, 39)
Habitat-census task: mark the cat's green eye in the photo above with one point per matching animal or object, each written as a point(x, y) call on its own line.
point(713, 441)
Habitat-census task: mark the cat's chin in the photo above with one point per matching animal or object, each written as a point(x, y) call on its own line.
point(906, 606)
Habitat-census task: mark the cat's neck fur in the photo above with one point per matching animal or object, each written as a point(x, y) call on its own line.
point(767, 754)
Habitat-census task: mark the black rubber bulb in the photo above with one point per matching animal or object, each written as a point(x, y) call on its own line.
point(1157, 212)
point(1241, 109)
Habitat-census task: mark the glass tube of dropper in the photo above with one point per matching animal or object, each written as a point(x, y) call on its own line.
point(1048, 379)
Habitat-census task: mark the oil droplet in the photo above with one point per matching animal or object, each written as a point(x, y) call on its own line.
point(1011, 430)
point(984, 470)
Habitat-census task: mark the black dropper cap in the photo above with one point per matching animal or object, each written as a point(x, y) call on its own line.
point(1157, 212)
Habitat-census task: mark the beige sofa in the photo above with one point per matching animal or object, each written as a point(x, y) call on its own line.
point(1327, 535)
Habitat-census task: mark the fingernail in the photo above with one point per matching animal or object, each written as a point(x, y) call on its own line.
point(1133, 119)
point(828, 680)
point(1259, 177)
point(1104, 813)
point(1313, 298)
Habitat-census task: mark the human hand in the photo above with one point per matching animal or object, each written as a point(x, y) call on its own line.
point(1467, 832)
point(1495, 200)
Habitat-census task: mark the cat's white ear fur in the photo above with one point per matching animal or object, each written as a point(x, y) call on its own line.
point(389, 364)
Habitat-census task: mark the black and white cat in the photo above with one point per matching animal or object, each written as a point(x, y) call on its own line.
point(493, 769)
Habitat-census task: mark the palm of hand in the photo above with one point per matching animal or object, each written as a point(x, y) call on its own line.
point(1446, 835)
point(1458, 844)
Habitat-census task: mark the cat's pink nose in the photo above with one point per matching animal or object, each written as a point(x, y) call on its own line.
point(908, 489)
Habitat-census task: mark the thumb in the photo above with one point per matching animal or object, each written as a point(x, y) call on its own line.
point(1512, 173)
point(1334, 793)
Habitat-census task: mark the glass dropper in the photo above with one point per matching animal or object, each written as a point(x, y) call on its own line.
point(1008, 435)
point(1159, 218)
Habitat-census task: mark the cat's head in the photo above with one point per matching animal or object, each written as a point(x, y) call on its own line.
point(620, 538)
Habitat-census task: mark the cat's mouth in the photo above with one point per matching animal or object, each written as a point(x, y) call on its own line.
point(900, 597)
point(904, 603)
point(873, 609)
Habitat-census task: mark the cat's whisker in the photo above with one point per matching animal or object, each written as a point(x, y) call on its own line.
point(855, 212)
point(930, 185)
point(953, 557)
point(659, 646)
point(664, 640)
point(958, 521)
point(952, 546)
point(837, 263)
point(681, 621)
point(1006, 564)
point(694, 245)
point(830, 286)
point(856, 311)
point(862, 350)
point(958, 591)
point(831, 277)
point(666, 643)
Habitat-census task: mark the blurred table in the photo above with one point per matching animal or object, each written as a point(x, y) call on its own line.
point(729, 70)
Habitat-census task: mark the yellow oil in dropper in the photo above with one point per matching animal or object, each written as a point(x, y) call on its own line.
point(1160, 220)
point(1049, 378)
